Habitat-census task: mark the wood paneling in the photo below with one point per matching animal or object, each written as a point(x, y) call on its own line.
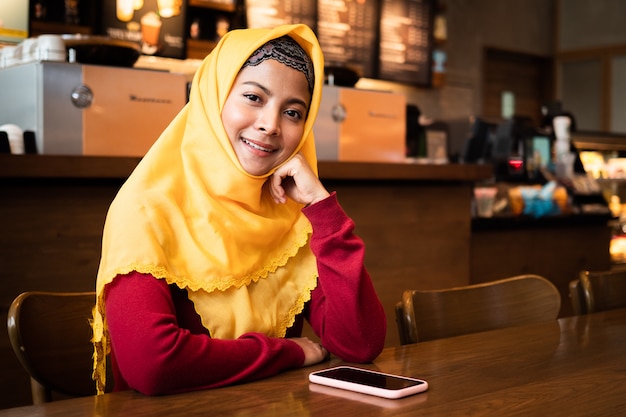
point(51, 235)
point(416, 236)
point(528, 77)
point(50, 239)
point(557, 252)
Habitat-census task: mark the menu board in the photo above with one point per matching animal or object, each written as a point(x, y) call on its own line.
point(405, 41)
point(157, 27)
point(271, 13)
point(380, 39)
point(347, 33)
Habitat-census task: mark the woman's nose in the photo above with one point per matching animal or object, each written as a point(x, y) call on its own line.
point(269, 121)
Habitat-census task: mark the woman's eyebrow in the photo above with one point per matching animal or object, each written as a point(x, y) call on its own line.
point(293, 100)
point(258, 85)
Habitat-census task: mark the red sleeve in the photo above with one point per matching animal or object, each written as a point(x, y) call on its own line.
point(154, 355)
point(345, 311)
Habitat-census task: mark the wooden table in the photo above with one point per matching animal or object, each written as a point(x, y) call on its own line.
point(575, 366)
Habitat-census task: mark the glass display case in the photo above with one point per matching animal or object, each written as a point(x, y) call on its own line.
point(604, 158)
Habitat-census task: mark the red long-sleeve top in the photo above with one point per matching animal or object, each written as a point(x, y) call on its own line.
point(159, 345)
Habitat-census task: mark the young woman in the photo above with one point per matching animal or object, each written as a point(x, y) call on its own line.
point(223, 240)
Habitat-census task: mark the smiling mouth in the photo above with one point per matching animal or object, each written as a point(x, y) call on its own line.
point(255, 146)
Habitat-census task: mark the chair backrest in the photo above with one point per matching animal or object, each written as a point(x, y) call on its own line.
point(603, 290)
point(433, 314)
point(577, 297)
point(51, 336)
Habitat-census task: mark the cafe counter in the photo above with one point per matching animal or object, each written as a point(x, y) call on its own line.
point(415, 220)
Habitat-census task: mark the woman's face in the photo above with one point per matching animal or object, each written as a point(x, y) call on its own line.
point(264, 114)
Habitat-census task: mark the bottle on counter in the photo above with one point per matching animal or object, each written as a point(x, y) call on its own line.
point(563, 156)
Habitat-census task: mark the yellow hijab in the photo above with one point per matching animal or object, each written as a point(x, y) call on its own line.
point(191, 215)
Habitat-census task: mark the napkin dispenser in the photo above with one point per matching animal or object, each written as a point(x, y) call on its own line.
point(77, 109)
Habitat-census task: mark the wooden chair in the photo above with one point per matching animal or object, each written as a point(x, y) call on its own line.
point(433, 314)
point(598, 291)
point(577, 297)
point(51, 336)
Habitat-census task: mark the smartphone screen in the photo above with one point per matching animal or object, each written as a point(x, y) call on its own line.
point(369, 382)
point(372, 379)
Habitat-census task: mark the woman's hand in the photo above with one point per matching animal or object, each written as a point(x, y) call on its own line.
point(296, 180)
point(313, 352)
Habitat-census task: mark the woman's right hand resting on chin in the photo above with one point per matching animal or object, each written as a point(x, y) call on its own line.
point(313, 352)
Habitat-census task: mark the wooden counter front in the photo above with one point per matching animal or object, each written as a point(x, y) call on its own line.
point(414, 219)
point(556, 247)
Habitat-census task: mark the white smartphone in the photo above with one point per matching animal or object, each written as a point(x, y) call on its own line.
point(369, 382)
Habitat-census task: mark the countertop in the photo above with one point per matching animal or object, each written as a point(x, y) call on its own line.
point(99, 167)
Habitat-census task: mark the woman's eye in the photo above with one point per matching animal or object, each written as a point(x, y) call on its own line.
point(294, 113)
point(252, 97)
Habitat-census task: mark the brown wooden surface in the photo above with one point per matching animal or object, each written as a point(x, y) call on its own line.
point(62, 166)
point(414, 220)
point(410, 171)
point(556, 251)
point(573, 366)
point(416, 236)
point(50, 240)
point(76, 166)
point(525, 75)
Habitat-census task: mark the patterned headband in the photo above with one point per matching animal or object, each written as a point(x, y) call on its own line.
point(286, 51)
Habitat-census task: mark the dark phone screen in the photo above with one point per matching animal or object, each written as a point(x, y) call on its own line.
point(364, 377)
